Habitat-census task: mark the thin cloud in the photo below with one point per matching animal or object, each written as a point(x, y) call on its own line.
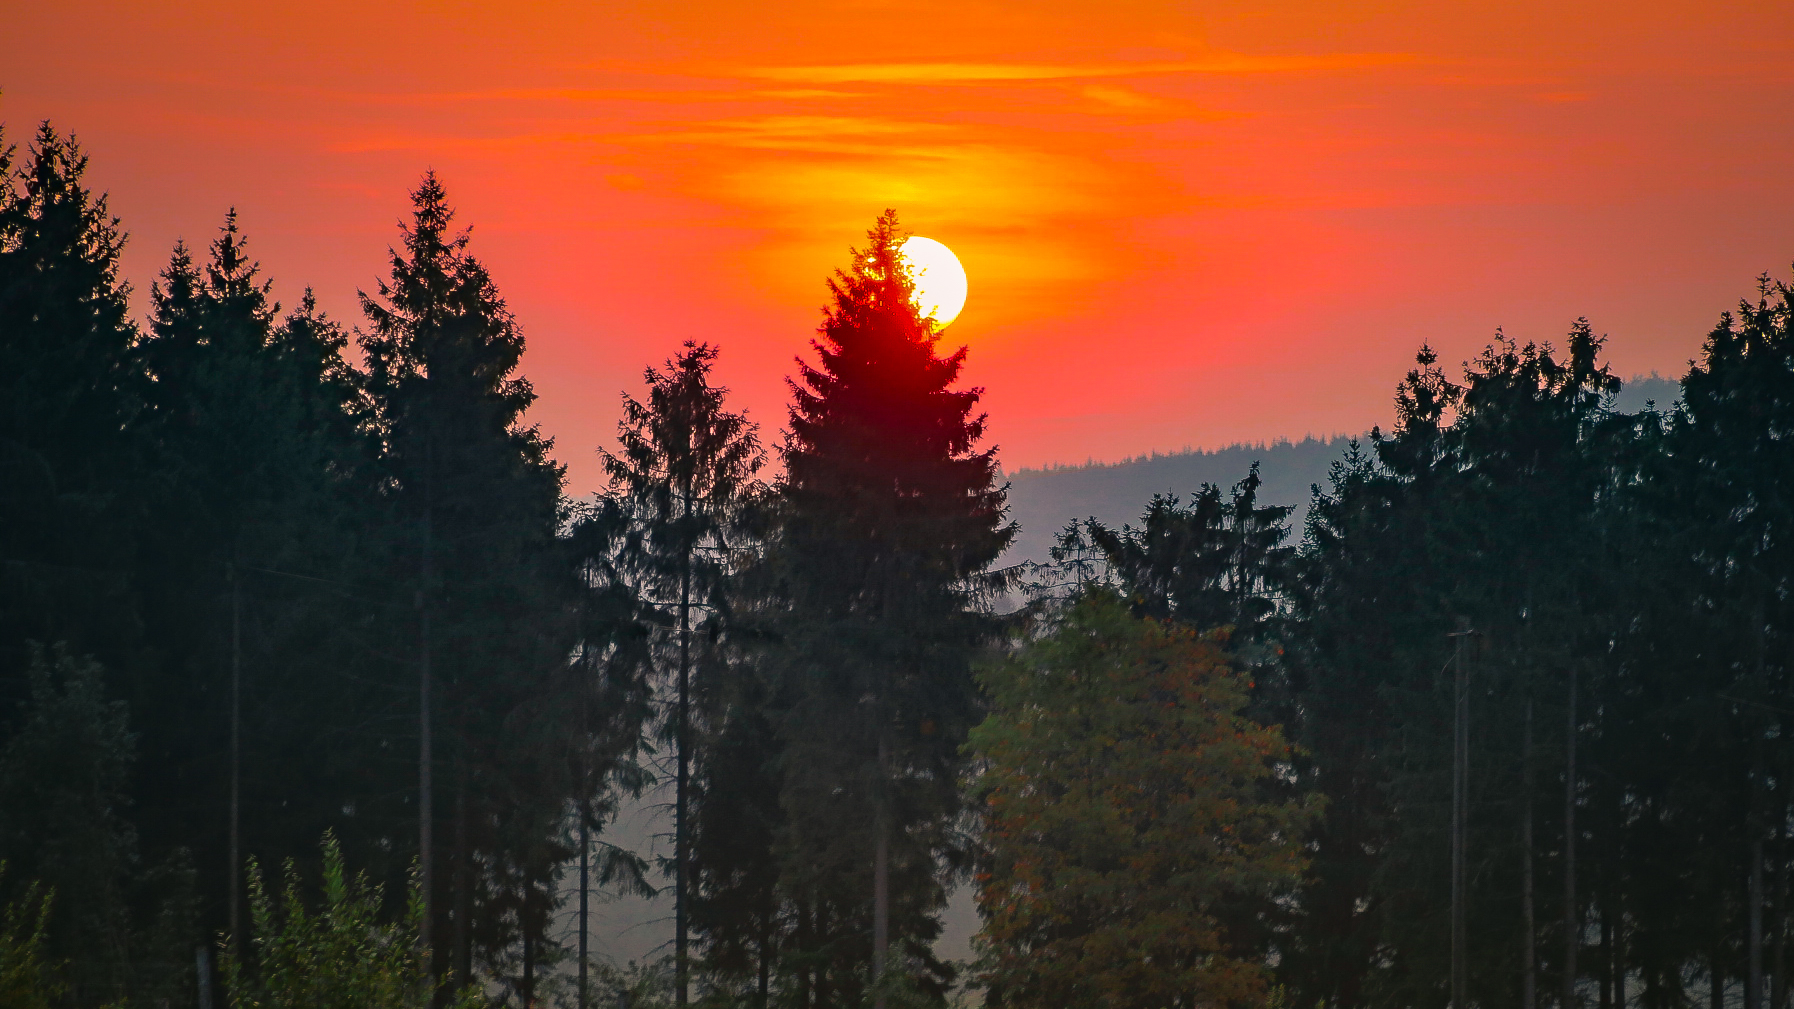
point(947, 73)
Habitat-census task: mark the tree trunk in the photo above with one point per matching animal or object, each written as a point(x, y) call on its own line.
point(236, 757)
point(766, 952)
point(1572, 920)
point(1528, 953)
point(682, 732)
point(1619, 957)
point(1753, 981)
point(881, 876)
point(1778, 993)
point(529, 962)
point(1460, 787)
point(1606, 955)
point(585, 849)
point(805, 989)
point(463, 880)
point(425, 786)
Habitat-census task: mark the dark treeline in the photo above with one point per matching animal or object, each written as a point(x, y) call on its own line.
point(1624, 582)
point(267, 576)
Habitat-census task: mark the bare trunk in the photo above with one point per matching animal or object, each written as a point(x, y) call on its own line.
point(236, 757)
point(1753, 981)
point(202, 967)
point(1606, 956)
point(463, 881)
point(1528, 954)
point(425, 759)
point(1619, 959)
point(681, 840)
point(765, 979)
point(1572, 919)
point(585, 849)
point(881, 877)
point(1778, 967)
point(1460, 786)
point(805, 988)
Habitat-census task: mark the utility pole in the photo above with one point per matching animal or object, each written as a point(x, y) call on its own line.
point(1460, 804)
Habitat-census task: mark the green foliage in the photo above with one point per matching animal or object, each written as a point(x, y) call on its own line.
point(1123, 801)
point(1216, 562)
point(63, 773)
point(27, 975)
point(343, 954)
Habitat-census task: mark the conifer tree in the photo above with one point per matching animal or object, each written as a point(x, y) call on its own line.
point(250, 422)
point(683, 472)
point(479, 504)
point(889, 516)
point(70, 390)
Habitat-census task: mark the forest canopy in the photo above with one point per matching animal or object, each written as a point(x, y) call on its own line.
point(1504, 723)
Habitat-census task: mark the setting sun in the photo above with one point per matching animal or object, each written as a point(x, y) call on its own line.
point(940, 279)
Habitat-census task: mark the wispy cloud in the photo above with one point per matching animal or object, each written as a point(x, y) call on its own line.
point(857, 135)
point(948, 73)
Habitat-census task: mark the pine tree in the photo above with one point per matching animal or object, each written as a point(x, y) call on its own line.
point(889, 514)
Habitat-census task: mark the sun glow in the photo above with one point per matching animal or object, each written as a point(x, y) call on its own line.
point(940, 282)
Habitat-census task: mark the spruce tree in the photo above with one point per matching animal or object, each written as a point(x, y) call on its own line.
point(70, 390)
point(253, 498)
point(889, 516)
point(684, 469)
point(478, 502)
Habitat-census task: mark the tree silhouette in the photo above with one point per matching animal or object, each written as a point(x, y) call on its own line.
point(889, 514)
point(684, 469)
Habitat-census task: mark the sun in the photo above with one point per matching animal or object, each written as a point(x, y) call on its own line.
point(940, 282)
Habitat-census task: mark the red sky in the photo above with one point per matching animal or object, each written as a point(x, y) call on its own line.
point(1183, 224)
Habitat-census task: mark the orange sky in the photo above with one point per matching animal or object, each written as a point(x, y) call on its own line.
point(1184, 224)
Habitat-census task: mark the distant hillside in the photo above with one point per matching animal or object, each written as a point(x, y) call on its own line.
point(1044, 500)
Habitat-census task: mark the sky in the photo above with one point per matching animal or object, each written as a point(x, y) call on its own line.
point(1184, 224)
